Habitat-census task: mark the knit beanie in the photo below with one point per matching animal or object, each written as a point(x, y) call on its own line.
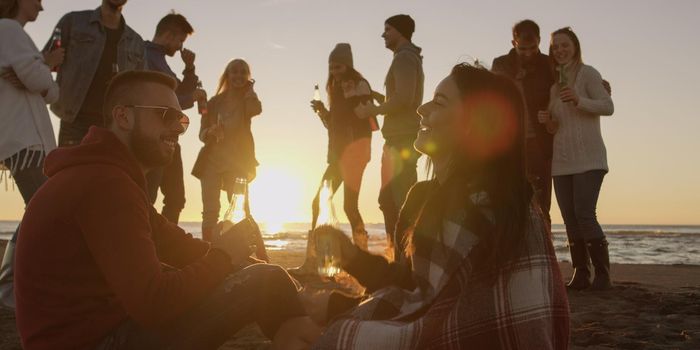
point(342, 53)
point(404, 24)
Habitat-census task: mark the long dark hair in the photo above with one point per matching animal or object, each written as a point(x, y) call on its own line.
point(350, 74)
point(491, 158)
point(9, 8)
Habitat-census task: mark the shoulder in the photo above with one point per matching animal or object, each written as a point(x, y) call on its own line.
point(363, 87)
point(10, 27)
point(589, 73)
point(501, 60)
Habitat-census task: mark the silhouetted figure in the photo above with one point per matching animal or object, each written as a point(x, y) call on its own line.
point(349, 144)
point(171, 33)
point(109, 272)
point(98, 44)
point(404, 93)
point(579, 162)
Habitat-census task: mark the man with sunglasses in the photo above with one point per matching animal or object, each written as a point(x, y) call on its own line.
point(171, 33)
point(104, 270)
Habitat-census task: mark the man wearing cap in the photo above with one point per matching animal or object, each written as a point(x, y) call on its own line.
point(404, 93)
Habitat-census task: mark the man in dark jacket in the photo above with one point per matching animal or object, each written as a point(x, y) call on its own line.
point(404, 93)
point(532, 73)
point(171, 33)
point(90, 271)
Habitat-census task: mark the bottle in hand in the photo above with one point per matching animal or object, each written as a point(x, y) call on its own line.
point(56, 43)
point(327, 250)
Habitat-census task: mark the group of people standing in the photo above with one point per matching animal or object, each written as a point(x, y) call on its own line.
point(109, 272)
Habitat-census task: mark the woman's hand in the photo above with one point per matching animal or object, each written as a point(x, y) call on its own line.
point(543, 117)
point(11, 77)
point(216, 131)
point(55, 57)
point(568, 95)
point(318, 107)
point(347, 249)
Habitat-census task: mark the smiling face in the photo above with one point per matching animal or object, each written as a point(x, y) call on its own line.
point(437, 136)
point(563, 48)
point(151, 137)
point(238, 74)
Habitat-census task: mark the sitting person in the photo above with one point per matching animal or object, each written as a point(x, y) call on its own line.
point(475, 265)
point(98, 267)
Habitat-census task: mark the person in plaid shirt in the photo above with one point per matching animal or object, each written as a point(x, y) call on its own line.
point(478, 268)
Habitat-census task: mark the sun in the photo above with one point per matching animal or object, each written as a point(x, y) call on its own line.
point(276, 197)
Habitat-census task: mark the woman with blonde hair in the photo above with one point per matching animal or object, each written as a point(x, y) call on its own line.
point(229, 148)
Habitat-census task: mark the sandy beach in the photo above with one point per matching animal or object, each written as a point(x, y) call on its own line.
point(650, 307)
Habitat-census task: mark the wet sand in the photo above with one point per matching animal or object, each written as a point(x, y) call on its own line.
point(650, 307)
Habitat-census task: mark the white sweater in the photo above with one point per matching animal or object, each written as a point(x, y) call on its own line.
point(578, 143)
point(24, 118)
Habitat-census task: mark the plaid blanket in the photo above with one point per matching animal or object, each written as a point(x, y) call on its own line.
point(521, 305)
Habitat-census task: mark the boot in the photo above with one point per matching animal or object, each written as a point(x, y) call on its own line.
point(579, 260)
point(360, 238)
point(7, 293)
point(310, 266)
point(598, 249)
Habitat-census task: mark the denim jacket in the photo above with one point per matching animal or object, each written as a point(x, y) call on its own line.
point(83, 37)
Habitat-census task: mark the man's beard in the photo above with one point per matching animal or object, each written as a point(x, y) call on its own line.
point(148, 151)
point(115, 7)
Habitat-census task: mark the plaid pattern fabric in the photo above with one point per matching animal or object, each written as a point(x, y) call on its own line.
point(520, 306)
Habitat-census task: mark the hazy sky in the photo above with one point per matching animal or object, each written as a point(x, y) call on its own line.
point(648, 50)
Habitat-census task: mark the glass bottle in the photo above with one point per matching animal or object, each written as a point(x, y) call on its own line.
point(236, 209)
point(327, 251)
point(56, 43)
point(202, 102)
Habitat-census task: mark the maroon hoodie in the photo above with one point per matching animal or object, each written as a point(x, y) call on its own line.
point(91, 248)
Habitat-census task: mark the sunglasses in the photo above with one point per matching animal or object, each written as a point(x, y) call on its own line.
point(169, 116)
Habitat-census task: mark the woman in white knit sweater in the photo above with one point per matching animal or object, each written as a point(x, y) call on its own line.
point(579, 160)
point(26, 134)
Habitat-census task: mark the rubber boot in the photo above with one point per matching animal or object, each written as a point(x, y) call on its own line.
point(580, 280)
point(7, 292)
point(600, 257)
point(310, 266)
point(360, 238)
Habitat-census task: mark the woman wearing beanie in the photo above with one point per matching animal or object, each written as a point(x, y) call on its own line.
point(26, 135)
point(579, 160)
point(349, 141)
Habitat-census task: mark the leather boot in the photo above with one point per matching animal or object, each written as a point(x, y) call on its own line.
point(598, 248)
point(310, 266)
point(360, 238)
point(7, 292)
point(579, 260)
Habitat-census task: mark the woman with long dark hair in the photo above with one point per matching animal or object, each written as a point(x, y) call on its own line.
point(478, 268)
point(579, 160)
point(349, 142)
point(26, 134)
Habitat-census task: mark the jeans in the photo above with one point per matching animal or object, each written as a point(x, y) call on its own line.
point(539, 171)
point(71, 134)
point(399, 161)
point(577, 196)
point(260, 293)
point(170, 180)
point(348, 171)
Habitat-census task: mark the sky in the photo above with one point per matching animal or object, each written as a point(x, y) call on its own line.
point(648, 50)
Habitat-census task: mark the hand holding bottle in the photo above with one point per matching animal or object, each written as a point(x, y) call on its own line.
point(237, 241)
point(333, 239)
point(55, 57)
point(567, 94)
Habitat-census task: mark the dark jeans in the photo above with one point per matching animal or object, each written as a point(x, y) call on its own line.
point(28, 179)
point(71, 134)
point(399, 161)
point(171, 183)
point(260, 293)
point(577, 196)
point(539, 171)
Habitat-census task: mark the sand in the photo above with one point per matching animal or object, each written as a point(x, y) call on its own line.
point(650, 307)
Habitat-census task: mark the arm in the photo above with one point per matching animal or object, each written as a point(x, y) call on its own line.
point(118, 237)
point(375, 272)
point(253, 106)
point(28, 65)
point(173, 245)
point(208, 121)
point(65, 25)
point(597, 100)
point(186, 87)
point(404, 73)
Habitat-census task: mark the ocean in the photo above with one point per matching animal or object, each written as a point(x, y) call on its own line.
point(629, 244)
